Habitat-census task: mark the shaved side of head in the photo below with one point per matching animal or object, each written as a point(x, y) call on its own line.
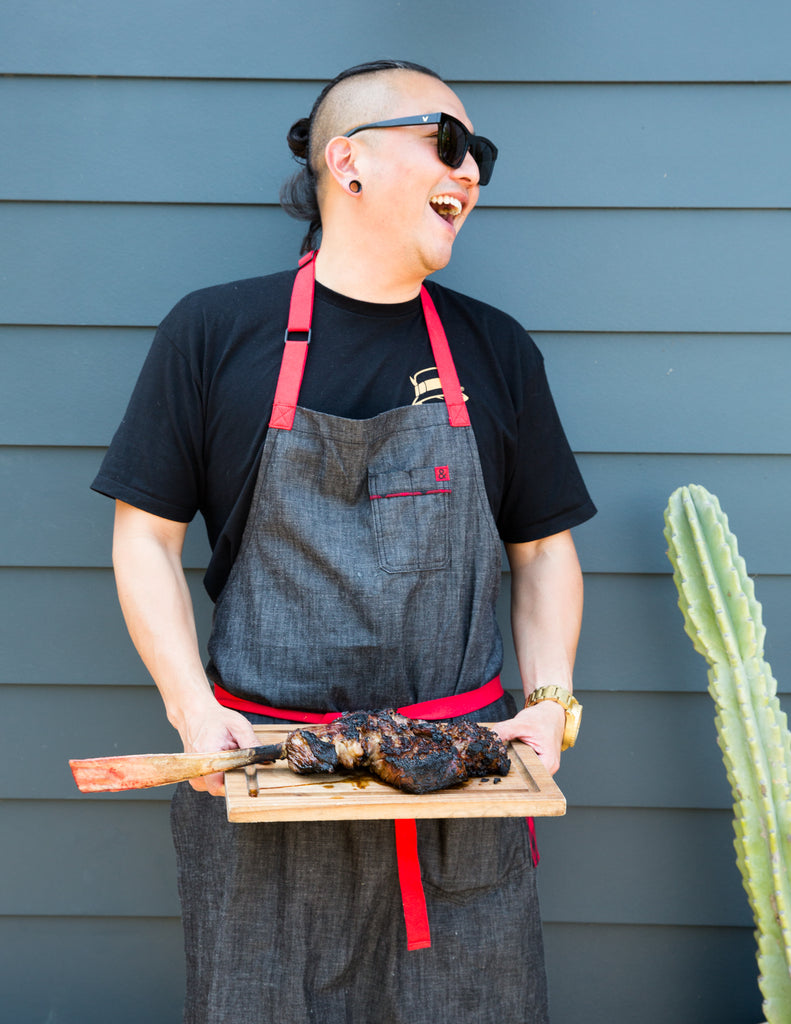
point(352, 102)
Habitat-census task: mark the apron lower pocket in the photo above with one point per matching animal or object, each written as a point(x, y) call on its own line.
point(411, 511)
point(461, 859)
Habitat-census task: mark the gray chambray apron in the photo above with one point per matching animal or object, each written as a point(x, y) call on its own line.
point(367, 577)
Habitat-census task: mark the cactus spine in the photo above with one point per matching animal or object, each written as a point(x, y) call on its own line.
point(723, 620)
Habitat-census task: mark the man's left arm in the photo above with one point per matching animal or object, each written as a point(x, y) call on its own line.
point(546, 615)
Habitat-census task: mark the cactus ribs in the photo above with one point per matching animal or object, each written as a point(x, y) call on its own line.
point(414, 756)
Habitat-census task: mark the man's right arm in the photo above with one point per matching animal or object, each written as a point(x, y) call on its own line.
point(157, 607)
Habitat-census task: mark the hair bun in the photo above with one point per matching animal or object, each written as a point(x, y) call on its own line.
point(299, 138)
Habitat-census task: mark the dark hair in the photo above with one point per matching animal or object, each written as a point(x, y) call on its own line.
point(298, 195)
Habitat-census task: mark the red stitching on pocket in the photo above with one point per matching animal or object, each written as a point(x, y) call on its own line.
point(410, 494)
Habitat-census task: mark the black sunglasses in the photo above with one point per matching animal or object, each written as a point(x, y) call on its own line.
point(453, 141)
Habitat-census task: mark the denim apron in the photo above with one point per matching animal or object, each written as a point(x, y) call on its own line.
point(367, 577)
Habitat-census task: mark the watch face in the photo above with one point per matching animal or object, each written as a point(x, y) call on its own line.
point(573, 718)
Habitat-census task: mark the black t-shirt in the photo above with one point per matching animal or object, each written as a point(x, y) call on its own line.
point(193, 432)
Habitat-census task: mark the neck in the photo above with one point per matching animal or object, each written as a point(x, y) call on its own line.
point(368, 276)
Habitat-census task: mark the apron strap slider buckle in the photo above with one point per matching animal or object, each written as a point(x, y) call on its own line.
point(297, 334)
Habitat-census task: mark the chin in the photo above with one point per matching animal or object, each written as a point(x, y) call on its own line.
point(437, 259)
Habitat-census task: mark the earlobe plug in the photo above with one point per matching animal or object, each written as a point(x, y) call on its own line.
point(355, 186)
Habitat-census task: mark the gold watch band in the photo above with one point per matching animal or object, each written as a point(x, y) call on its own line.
point(570, 705)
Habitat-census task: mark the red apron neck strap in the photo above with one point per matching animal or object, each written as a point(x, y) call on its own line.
point(446, 369)
point(295, 353)
point(300, 313)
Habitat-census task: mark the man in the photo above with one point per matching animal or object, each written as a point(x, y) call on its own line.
point(355, 490)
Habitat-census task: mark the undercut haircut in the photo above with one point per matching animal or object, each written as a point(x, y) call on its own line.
point(308, 137)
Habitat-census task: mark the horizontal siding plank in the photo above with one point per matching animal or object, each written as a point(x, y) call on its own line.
point(636, 270)
point(555, 270)
point(150, 241)
point(131, 140)
point(66, 858)
point(67, 385)
point(630, 973)
point(672, 392)
point(631, 492)
point(90, 970)
point(632, 632)
point(659, 393)
point(607, 866)
point(572, 39)
point(79, 638)
point(139, 140)
point(595, 863)
point(42, 479)
point(645, 750)
point(633, 635)
point(77, 722)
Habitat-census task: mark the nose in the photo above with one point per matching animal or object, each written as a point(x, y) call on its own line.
point(468, 170)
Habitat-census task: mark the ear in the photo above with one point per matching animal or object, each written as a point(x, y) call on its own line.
point(340, 157)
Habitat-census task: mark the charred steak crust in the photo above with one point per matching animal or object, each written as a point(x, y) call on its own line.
point(413, 755)
point(308, 753)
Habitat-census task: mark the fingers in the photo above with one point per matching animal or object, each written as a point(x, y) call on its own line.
point(539, 729)
point(243, 733)
point(212, 784)
point(550, 761)
point(223, 729)
point(503, 729)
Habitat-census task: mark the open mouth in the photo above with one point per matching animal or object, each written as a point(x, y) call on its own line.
point(448, 207)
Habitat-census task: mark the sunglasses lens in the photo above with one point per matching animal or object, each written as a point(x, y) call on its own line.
point(453, 141)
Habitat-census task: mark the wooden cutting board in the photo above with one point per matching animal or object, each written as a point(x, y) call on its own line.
point(528, 789)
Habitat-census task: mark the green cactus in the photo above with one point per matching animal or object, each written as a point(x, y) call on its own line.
point(723, 619)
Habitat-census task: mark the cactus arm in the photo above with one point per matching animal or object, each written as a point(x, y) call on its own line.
point(723, 619)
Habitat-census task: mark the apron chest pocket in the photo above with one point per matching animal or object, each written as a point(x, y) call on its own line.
point(411, 513)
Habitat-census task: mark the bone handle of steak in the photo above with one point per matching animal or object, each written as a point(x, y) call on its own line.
point(141, 771)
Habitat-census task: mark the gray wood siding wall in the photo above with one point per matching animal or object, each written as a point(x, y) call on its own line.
point(638, 225)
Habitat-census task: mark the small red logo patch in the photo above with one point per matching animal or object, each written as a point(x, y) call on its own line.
point(441, 473)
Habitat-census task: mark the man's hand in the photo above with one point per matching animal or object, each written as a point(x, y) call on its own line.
point(540, 727)
point(215, 728)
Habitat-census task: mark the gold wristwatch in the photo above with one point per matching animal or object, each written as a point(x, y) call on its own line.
point(570, 705)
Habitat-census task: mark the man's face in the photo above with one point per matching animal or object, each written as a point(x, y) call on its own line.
point(416, 203)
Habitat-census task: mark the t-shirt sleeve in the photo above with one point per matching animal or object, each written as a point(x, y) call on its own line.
point(544, 491)
point(154, 459)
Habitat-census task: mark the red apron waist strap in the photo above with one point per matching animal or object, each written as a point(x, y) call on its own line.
point(430, 710)
point(230, 700)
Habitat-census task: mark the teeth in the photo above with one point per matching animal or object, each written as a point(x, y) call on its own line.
point(446, 205)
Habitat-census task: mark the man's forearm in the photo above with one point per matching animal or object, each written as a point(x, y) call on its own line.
point(157, 608)
point(546, 610)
